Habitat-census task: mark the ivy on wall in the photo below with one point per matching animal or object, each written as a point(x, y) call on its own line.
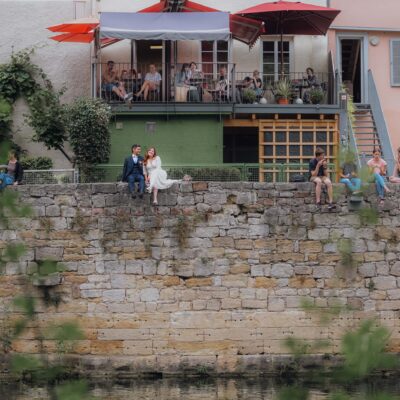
point(21, 78)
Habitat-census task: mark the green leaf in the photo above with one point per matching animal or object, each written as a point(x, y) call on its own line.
point(21, 363)
point(73, 391)
point(294, 393)
point(26, 304)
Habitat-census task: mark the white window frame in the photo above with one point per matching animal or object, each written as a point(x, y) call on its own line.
point(277, 61)
point(215, 58)
point(392, 82)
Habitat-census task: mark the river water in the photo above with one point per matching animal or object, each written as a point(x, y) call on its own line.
point(220, 389)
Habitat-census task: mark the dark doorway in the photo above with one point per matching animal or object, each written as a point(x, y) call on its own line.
point(149, 52)
point(240, 145)
point(351, 52)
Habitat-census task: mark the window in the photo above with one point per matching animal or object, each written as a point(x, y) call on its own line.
point(213, 55)
point(80, 9)
point(395, 62)
point(271, 59)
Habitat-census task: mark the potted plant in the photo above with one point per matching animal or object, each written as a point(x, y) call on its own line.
point(249, 96)
point(283, 91)
point(316, 95)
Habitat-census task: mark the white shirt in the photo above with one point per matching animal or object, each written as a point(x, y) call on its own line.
point(135, 159)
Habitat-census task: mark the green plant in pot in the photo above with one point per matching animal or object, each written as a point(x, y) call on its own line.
point(249, 96)
point(283, 91)
point(316, 95)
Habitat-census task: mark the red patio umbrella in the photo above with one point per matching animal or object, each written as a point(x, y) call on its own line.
point(74, 37)
point(292, 18)
point(80, 25)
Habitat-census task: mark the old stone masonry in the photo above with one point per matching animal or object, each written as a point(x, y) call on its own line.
point(214, 278)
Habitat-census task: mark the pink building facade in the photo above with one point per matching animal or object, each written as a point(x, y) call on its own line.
point(366, 37)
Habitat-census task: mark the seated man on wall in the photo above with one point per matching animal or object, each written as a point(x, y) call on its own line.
point(152, 82)
point(318, 168)
point(349, 173)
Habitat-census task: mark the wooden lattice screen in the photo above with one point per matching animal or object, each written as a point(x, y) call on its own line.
point(293, 143)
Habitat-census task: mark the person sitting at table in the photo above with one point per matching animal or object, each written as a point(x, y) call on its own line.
point(221, 87)
point(129, 80)
point(152, 82)
point(194, 72)
point(257, 83)
point(183, 77)
point(246, 83)
point(311, 82)
point(111, 82)
point(183, 86)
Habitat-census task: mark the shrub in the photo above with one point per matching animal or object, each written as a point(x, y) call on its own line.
point(37, 163)
point(249, 96)
point(88, 126)
point(316, 96)
point(206, 174)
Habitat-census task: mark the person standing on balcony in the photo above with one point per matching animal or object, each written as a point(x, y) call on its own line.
point(395, 178)
point(133, 171)
point(156, 177)
point(112, 84)
point(318, 168)
point(257, 83)
point(377, 168)
point(152, 82)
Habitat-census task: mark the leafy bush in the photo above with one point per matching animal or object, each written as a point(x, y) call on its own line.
point(37, 163)
point(88, 126)
point(206, 174)
point(249, 96)
point(316, 96)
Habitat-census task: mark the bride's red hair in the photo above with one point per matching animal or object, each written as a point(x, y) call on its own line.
point(146, 157)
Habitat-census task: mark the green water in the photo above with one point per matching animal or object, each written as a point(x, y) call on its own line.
point(218, 389)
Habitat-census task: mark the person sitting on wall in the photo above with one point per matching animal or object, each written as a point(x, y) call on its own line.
point(395, 178)
point(349, 173)
point(318, 168)
point(152, 82)
point(14, 172)
point(133, 171)
point(112, 84)
point(377, 167)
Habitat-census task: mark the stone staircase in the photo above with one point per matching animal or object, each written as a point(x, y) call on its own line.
point(365, 132)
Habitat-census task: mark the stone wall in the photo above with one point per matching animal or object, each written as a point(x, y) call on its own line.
point(213, 278)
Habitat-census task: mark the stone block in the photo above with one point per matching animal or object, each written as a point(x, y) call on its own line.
point(384, 282)
point(323, 272)
point(149, 294)
point(395, 269)
point(53, 211)
point(318, 234)
point(49, 253)
point(197, 282)
point(282, 271)
point(263, 282)
point(276, 304)
point(367, 270)
point(113, 295)
point(260, 304)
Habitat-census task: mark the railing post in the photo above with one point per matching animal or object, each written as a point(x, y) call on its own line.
point(233, 99)
point(76, 175)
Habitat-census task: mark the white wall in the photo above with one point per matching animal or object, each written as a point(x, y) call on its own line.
point(22, 25)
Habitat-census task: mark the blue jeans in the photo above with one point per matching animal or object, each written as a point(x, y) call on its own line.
point(380, 184)
point(353, 184)
point(5, 180)
point(135, 178)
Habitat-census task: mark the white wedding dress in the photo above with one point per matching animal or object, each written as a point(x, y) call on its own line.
point(158, 177)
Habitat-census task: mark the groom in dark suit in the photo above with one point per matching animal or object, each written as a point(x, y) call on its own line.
point(133, 171)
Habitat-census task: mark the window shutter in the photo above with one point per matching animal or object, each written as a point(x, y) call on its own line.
point(395, 62)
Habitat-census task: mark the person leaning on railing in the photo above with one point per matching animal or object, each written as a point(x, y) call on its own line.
point(395, 178)
point(14, 172)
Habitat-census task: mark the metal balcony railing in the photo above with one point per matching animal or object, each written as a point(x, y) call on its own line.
point(204, 83)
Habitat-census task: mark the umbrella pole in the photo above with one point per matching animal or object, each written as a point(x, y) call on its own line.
point(282, 70)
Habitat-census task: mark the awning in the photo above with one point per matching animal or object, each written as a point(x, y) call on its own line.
point(165, 26)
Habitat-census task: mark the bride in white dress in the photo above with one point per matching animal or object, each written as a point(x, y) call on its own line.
point(156, 177)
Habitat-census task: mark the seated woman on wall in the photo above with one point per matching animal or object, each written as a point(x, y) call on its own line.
point(377, 167)
point(152, 82)
point(14, 172)
point(155, 176)
point(395, 178)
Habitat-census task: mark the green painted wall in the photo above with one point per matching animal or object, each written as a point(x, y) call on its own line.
point(180, 140)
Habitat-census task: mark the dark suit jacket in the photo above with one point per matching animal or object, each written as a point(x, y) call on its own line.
point(129, 167)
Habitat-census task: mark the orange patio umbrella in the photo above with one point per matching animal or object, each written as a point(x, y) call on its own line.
point(74, 37)
point(81, 25)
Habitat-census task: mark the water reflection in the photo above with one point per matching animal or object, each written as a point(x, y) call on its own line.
point(209, 389)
